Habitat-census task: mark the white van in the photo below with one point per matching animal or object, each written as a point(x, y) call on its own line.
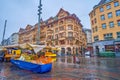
point(87, 54)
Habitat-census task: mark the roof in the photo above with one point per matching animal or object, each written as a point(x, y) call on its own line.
point(102, 2)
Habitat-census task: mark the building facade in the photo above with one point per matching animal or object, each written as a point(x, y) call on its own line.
point(28, 35)
point(89, 40)
point(5, 42)
point(105, 24)
point(63, 31)
point(88, 35)
point(14, 38)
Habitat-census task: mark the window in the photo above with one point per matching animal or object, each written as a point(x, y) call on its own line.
point(116, 4)
point(93, 30)
point(92, 22)
point(94, 13)
point(62, 42)
point(61, 22)
point(111, 24)
point(56, 24)
point(62, 35)
point(56, 30)
point(108, 6)
point(70, 27)
point(49, 37)
point(56, 36)
point(91, 15)
point(107, 1)
point(118, 22)
point(95, 20)
point(118, 34)
point(118, 12)
point(61, 16)
point(96, 29)
point(56, 42)
point(96, 38)
point(61, 28)
point(102, 17)
point(104, 26)
point(70, 34)
point(69, 20)
point(101, 9)
point(108, 36)
point(110, 15)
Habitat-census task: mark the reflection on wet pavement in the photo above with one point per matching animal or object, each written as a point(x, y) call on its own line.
point(65, 68)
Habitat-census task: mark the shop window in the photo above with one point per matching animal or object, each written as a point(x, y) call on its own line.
point(109, 48)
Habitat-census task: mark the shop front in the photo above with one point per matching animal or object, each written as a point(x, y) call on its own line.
point(117, 47)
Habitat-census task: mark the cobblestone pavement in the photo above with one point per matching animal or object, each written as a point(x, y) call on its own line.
point(65, 69)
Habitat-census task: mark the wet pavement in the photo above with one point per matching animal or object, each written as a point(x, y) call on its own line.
point(66, 69)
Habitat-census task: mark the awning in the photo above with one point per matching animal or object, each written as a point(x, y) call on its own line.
point(37, 48)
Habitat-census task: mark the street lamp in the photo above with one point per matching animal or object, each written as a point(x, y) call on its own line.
point(39, 16)
point(4, 33)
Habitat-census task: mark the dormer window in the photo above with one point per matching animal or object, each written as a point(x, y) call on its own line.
point(101, 9)
point(108, 6)
point(61, 16)
point(61, 22)
point(107, 0)
point(116, 4)
point(70, 27)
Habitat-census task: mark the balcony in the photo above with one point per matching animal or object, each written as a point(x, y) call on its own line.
point(55, 39)
point(70, 38)
point(49, 40)
point(43, 36)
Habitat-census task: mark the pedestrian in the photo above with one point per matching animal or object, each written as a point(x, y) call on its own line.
point(77, 60)
point(74, 58)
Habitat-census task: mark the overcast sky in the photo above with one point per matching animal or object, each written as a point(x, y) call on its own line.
point(19, 13)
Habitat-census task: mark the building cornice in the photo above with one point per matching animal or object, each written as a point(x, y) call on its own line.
point(99, 5)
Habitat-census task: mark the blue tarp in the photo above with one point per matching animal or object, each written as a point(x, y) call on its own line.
point(40, 68)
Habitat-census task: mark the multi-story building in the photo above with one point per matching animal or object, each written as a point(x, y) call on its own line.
point(89, 40)
point(14, 39)
point(105, 23)
point(88, 35)
point(28, 35)
point(5, 42)
point(63, 31)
